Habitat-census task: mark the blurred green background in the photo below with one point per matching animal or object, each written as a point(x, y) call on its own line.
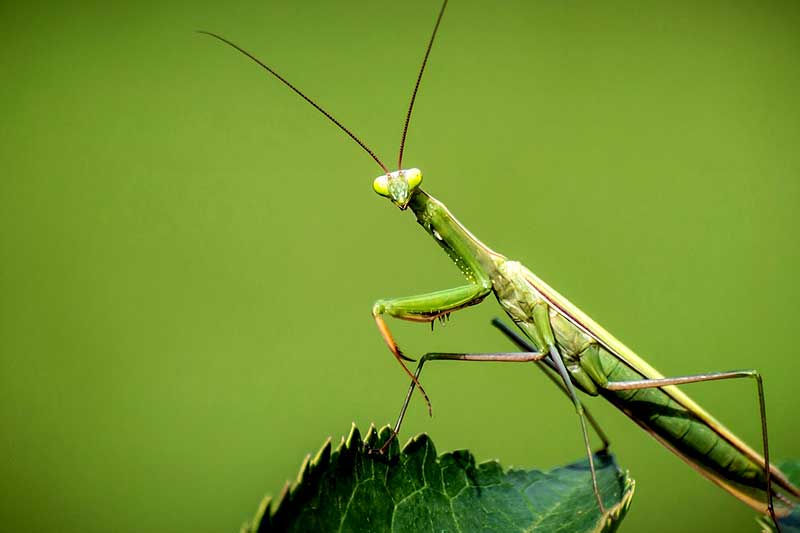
point(190, 253)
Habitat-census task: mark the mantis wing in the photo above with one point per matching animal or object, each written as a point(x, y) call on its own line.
point(614, 346)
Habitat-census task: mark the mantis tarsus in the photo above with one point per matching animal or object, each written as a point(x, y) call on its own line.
point(572, 348)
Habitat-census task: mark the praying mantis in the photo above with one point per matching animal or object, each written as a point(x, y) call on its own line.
point(573, 349)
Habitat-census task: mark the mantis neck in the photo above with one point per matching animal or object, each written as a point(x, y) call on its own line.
point(476, 261)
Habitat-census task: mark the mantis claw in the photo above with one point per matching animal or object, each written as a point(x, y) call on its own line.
point(375, 451)
point(382, 450)
point(403, 356)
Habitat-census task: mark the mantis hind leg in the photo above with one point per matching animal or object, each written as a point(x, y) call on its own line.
point(524, 344)
point(716, 376)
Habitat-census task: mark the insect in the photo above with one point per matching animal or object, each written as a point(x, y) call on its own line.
point(566, 343)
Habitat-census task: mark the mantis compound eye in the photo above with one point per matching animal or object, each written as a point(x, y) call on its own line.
point(413, 177)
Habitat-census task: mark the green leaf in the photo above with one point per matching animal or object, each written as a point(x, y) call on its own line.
point(791, 522)
point(349, 489)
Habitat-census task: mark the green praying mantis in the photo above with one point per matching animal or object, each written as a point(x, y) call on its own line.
point(573, 350)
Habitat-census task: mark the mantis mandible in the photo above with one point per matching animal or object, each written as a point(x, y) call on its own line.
point(567, 344)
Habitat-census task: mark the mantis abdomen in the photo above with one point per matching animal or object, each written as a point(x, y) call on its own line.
point(688, 435)
point(599, 364)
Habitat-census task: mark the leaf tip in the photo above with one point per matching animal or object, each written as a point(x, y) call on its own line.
point(323, 455)
point(303, 469)
point(354, 437)
point(262, 519)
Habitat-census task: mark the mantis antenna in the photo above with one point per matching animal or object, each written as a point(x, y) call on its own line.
point(327, 114)
point(303, 96)
point(416, 86)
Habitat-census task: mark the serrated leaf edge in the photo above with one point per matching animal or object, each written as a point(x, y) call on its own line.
point(266, 510)
point(608, 522)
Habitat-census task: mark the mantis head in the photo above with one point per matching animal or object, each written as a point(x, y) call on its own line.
point(398, 186)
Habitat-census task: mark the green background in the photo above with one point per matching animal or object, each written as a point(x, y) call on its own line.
point(189, 253)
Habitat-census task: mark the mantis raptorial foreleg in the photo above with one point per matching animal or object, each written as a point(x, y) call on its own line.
point(425, 308)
